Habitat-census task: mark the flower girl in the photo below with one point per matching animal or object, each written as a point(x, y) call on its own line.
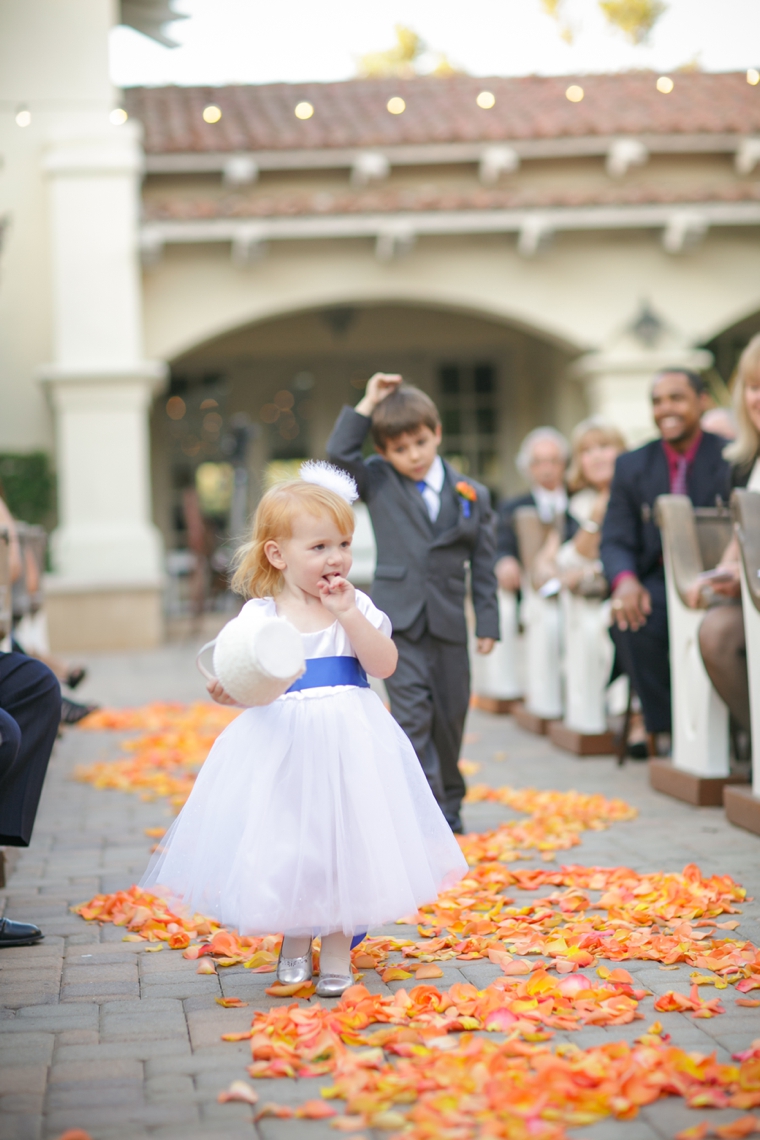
point(311, 814)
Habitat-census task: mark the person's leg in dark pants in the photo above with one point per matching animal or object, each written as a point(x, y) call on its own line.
point(411, 697)
point(644, 656)
point(429, 694)
point(723, 646)
point(30, 699)
point(450, 684)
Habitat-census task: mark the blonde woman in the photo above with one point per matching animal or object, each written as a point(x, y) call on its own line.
point(595, 447)
point(721, 635)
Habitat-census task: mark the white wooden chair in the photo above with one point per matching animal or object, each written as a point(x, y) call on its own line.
point(692, 541)
point(363, 549)
point(6, 612)
point(743, 803)
point(30, 618)
point(497, 682)
point(587, 661)
point(542, 623)
point(6, 620)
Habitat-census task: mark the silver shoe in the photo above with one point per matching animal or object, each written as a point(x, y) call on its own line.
point(293, 971)
point(333, 985)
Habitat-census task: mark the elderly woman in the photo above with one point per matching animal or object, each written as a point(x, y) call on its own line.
point(575, 564)
point(542, 462)
point(721, 635)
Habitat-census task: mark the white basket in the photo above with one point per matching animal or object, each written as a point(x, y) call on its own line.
point(256, 659)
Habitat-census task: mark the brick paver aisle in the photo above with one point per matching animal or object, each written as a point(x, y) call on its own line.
point(106, 1035)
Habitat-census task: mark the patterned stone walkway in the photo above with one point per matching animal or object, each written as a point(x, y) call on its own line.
point(100, 1034)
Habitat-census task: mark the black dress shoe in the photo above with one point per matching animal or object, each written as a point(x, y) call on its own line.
point(455, 823)
point(18, 933)
point(75, 677)
point(72, 713)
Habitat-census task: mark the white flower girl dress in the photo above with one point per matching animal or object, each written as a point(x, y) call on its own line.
point(311, 814)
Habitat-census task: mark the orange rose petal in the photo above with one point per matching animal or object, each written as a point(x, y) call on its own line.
point(281, 1111)
point(297, 989)
point(315, 1110)
point(428, 971)
point(239, 1091)
point(738, 1129)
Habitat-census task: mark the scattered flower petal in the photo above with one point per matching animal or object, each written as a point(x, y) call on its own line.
point(239, 1091)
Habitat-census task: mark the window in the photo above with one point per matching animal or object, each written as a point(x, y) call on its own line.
point(467, 398)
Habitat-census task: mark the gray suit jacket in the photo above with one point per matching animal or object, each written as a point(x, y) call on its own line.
point(419, 565)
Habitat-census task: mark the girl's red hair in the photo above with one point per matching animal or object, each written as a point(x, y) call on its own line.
point(255, 576)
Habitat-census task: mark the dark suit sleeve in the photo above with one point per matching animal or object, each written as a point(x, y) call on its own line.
point(506, 539)
point(482, 577)
point(620, 531)
point(344, 447)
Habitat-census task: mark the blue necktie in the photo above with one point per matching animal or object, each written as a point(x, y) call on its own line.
point(421, 487)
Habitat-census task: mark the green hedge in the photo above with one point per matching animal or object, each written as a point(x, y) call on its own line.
point(28, 486)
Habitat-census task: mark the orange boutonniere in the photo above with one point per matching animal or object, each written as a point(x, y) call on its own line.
point(467, 492)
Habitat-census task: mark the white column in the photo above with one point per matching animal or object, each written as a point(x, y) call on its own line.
point(105, 534)
point(100, 386)
point(618, 377)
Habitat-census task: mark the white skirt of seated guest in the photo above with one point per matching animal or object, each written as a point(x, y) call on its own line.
point(311, 814)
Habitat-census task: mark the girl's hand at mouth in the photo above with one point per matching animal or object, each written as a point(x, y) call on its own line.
point(337, 594)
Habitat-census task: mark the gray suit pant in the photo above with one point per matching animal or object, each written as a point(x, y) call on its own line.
point(429, 695)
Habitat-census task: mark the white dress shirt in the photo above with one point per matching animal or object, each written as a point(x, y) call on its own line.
point(549, 504)
point(433, 487)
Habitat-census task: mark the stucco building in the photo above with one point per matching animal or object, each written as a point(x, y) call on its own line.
point(528, 250)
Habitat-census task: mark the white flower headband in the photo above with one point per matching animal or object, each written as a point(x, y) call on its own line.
point(331, 478)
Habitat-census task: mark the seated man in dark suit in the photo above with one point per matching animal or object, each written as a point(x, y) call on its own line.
point(30, 712)
point(542, 461)
point(685, 461)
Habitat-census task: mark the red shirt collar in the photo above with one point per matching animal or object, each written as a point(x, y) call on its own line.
point(674, 457)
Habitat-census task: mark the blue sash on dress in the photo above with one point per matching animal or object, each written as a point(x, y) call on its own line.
point(321, 671)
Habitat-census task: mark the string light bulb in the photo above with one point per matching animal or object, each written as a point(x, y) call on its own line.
point(118, 117)
point(753, 76)
point(304, 110)
point(396, 105)
point(665, 85)
point(486, 100)
point(23, 117)
point(212, 113)
point(574, 93)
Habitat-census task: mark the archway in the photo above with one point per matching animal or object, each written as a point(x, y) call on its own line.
point(288, 376)
point(728, 345)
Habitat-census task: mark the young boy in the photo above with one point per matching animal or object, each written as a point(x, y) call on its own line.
point(429, 523)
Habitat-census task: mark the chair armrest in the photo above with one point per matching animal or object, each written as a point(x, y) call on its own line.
point(745, 506)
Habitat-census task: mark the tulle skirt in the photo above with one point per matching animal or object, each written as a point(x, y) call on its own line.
point(310, 815)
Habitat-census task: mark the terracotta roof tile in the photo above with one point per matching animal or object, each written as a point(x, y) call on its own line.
point(292, 204)
point(353, 113)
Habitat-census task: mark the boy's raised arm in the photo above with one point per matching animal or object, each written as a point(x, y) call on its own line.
point(344, 447)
